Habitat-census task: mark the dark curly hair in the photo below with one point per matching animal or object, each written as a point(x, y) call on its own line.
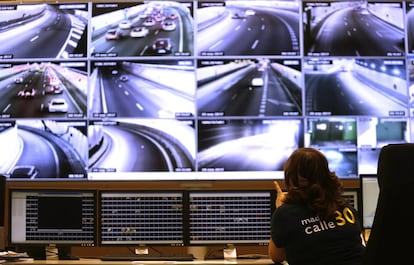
point(309, 180)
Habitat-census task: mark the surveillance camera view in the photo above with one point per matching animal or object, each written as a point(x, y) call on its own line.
point(338, 131)
point(248, 28)
point(375, 87)
point(373, 134)
point(410, 66)
point(244, 87)
point(340, 136)
point(153, 28)
point(353, 28)
point(152, 89)
point(43, 89)
point(141, 145)
point(45, 30)
point(246, 145)
point(336, 137)
point(343, 161)
point(409, 17)
point(43, 149)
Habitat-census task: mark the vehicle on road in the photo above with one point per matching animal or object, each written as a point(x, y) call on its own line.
point(256, 82)
point(172, 16)
point(139, 32)
point(162, 46)
point(168, 25)
point(149, 22)
point(238, 16)
point(112, 34)
point(53, 89)
point(57, 105)
point(124, 78)
point(27, 92)
point(24, 172)
point(125, 24)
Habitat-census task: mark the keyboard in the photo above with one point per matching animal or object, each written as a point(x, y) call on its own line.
point(161, 257)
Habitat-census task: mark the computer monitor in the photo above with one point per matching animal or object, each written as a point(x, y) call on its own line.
point(40, 218)
point(352, 196)
point(369, 194)
point(230, 217)
point(141, 218)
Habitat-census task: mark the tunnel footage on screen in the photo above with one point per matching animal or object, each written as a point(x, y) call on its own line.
point(201, 89)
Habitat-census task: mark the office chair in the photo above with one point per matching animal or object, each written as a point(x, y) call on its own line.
point(392, 235)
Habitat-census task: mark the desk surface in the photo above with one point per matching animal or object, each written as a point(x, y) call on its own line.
point(100, 262)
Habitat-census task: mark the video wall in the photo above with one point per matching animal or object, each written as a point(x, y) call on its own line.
point(201, 90)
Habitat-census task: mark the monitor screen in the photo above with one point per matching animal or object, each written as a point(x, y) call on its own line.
point(147, 145)
point(369, 194)
point(336, 137)
point(44, 89)
point(142, 28)
point(45, 30)
point(154, 89)
point(343, 87)
point(141, 218)
point(247, 145)
point(230, 217)
point(340, 35)
point(229, 28)
point(202, 90)
point(352, 196)
point(35, 149)
point(373, 134)
point(234, 87)
point(61, 217)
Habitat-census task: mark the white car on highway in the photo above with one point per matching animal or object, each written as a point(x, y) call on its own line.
point(57, 105)
point(168, 25)
point(125, 24)
point(139, 32)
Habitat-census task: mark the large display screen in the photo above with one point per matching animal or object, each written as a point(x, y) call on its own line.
point(201, 90)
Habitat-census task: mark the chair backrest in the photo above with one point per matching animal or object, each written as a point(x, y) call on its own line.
point(393, 226)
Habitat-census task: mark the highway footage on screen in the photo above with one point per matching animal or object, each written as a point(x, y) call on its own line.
point(188, 90)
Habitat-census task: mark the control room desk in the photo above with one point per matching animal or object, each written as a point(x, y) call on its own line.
point(99, 262)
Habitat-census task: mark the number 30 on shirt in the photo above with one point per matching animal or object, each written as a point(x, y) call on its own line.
point(346, 216)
